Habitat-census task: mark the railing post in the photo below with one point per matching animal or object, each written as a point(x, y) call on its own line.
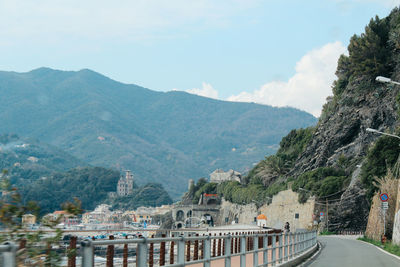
point(285, 252)
point(125, 255)
point(87, 253)
point(181, 251)
point(219, 250)
point(227, 242)
point(265, 250)
point(196, 249)
point(242, 251)
point(72, 251)
point(162, 252)
point(188, 246)
point(171, 252)
point(141, 253)
point(207, 251)
point(290, 243)
point(9, 257)
point(273, 243)
point(110, 253)
point(255, 249)
point(280, 236)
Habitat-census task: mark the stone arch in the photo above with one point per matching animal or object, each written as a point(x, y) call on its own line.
point(212, 201)
point(180, 215)
point(189, 214)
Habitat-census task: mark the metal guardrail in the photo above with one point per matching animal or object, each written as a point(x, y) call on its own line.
point(275, 249)
point(8, 253)
point(264, 248)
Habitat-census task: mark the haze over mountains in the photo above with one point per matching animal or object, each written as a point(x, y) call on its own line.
point(162, 137)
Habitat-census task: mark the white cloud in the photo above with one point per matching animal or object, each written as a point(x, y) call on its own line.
point(308, 88)
point(54, 20)
point(207, 91)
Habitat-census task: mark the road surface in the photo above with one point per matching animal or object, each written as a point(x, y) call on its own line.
point(343, 252)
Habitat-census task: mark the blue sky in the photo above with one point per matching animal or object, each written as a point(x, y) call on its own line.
point(277, 52)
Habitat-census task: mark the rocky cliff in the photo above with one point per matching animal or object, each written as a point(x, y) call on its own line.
point(340, 140)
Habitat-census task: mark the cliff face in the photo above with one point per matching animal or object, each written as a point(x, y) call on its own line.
point(342, 131)
point(340, 139)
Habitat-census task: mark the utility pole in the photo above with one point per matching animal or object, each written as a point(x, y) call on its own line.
point(327, 214)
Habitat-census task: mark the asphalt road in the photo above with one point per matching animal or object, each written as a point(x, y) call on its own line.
point(338, 251)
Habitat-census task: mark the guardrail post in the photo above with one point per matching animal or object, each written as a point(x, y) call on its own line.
point(243, 251)
point(141, 253)
point(273, 243)
point(265, 250)
point(125, 255)
point(110, 253)
point(181, 251)
point(285, 252)
point(207, 251)
point(228, 242)
point(72, 252)
point(196, 249)
point(151, 255)
point(9, 257)
point(87, 253)
point(188, 246)
point(315, 237)
point(280, 236)
point(171, 252)
point(255, 249)
point(290, 242)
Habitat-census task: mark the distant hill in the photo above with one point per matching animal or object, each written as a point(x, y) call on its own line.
point(162, 137)
point(27, 159)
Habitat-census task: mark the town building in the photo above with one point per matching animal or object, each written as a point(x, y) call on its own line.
point(219, 176)
point(28, 220)
point(125, 184)
point(261, 220)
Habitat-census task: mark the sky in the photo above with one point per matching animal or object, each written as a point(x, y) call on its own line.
point(275, 52)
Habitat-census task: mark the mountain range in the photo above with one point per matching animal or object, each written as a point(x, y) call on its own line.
point(165, 137)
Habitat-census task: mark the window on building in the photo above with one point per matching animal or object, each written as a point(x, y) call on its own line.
point(296, 216)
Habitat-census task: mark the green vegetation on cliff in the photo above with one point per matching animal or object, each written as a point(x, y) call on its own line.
point(321, 182)
point(381, 157)
point(269, 170)
point(151, 194)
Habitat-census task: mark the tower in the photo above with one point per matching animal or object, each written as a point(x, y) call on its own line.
point(129, 182)
point(125, 184)
point(191, 183)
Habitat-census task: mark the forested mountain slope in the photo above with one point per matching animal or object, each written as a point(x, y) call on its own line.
point(162, 137)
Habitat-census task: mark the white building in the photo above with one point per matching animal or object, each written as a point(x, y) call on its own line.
point(219, 176)
point(125, 184)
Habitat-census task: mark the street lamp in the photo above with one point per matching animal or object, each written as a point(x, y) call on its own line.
point(392, 135)
point(382, 133)
point(385, 80)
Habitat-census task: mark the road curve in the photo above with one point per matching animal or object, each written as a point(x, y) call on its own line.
point(342, 251)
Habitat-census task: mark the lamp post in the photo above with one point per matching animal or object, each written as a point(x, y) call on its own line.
point(391, 135)
point(385, 80)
